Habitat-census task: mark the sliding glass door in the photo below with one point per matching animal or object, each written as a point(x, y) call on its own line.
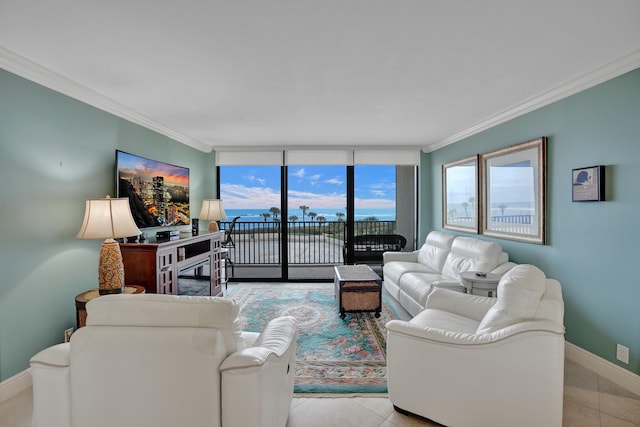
point(253, 195)
point(316, 212)
point(296, 222)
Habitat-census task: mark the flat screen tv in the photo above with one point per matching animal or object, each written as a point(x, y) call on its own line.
point(158, 192)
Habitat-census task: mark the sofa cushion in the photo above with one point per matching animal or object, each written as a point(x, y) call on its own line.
point(168, 311)
point(394, 270)
point(435, 249)
point(519, 293)
point(469, 254)
point(419, 285)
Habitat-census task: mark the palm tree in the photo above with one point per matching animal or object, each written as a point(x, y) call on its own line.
point(465, 205)
point(321, 220)
point(340, 215)
point(304, 210)
point(293, 218)
point(265, 215)
point(312, 215)
point(502, 208)
point(275, 212)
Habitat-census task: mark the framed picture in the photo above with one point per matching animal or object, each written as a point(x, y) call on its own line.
point(513, 192)
point(587, 184)
point(460, 195)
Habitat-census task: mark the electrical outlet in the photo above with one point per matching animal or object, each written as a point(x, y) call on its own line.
point(67, 334)
point(622, 353)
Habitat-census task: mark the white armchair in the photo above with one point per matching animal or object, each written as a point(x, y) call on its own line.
point(162, 360)
point(483, 362)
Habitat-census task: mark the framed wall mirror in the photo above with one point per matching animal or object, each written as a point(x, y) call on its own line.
point(460, 195)
point(513, 192)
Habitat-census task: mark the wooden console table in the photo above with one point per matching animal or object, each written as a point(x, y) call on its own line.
point(157, 264)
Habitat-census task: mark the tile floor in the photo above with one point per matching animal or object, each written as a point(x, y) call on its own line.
point(589, 401)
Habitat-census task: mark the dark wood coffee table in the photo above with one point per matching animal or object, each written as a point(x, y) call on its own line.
point(358, 289)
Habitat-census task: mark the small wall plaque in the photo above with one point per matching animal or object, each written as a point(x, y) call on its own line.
point(588, 184)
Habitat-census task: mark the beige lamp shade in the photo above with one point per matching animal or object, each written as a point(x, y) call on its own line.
point(108, 219)
point(212, 210)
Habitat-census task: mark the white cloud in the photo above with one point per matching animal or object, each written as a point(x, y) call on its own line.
point(374, 203)
point(299, 173)
point(383, 186)
point(336, 181)
point(313, 180)
point(238, 196)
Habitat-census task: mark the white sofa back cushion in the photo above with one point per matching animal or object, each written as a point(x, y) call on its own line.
point(469, 254)
point(168, 311)
point(519, 294)
point(435, 249)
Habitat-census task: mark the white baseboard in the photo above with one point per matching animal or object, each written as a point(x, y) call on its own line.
point(604, 368)
point(14, 385)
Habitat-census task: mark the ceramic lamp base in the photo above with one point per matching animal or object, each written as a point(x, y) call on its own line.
point(110, 268)
point(213, 226)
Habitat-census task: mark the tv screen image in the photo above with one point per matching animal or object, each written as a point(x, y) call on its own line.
point(158, 192)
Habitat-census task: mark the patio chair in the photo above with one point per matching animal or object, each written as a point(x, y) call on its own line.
point(228, 239)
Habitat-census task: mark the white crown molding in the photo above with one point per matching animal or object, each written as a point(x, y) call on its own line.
point(600, 75)
point(29, 70)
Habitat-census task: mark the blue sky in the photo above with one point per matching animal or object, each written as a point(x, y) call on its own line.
point(256, 187)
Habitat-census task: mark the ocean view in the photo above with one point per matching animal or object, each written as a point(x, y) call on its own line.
point(255, 215)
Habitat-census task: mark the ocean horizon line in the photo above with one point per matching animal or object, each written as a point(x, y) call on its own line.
point(330, 214)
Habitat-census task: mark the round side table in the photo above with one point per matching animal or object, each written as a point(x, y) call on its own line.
point(477, 283)
point(86, 296)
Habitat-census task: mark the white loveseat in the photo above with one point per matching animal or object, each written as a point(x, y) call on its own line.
point(473, 361)
point(410, 277)
point(166, 361)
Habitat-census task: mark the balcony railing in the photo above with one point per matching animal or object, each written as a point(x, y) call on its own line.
point(309, 242)
point(520, 224)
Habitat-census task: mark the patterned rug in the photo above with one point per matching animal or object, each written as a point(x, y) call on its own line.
point(333, 355)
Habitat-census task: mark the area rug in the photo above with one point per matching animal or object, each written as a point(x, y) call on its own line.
point(333, 355)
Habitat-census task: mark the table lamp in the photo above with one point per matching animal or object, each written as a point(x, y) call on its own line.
point(108, 219)
point(212, 210)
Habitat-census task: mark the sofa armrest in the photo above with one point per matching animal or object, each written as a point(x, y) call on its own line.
point(470, 306)
point(261, 378)
point(278, 336)
point(399, 256)
point(51, 387)
point(503, 268)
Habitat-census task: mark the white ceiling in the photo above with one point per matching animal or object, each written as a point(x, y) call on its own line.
point(244, 74)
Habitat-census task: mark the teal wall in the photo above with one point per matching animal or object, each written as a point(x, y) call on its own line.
point(55, 152)
point(593, 248)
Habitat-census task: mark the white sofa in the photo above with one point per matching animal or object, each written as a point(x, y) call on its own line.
point(162, 360)
point(474, 361)
point(410, 277)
